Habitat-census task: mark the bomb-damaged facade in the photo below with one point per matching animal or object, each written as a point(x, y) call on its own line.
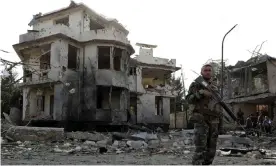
point(77, 66)
point(251, 86)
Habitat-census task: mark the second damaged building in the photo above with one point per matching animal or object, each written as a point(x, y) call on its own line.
point(252, 86)
point(150, 91)
point(76, 68)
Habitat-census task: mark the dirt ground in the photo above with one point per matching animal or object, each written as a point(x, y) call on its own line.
point(174, 147)
point(44, 155)
point(47, 158)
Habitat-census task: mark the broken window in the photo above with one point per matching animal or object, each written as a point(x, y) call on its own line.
point(52, 101)
point(103, 97)
point(172, 105)
point(238, 82)
point(63, 21)
point(132, 71)
point(27, 75)
point(117, 58)
point(132, 113)
point(94, 25)
point(40, 103)
point(108, 97)
point(259, 78)
point(158, 105)
point(72, 57)
point(45, 61)
point(103, 57)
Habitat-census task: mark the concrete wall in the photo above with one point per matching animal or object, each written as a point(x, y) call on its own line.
point(30, 97)
point(146, 111)
point(135, 81)
point(75, 22)
point(146, 56)
point(180, 120)
point(78, 29)
point(271, 70)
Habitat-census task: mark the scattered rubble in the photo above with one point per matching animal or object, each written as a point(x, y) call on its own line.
point(29, 141)
point(23, 133)
point(85, 136)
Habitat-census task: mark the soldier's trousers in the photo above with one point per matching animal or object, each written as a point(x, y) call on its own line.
point(205, 139)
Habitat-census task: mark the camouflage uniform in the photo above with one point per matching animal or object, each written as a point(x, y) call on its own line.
point(206, 115)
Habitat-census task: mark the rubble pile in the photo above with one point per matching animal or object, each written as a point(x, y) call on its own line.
point(30, 141)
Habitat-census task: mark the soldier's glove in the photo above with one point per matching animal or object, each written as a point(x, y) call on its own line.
point(205, 93)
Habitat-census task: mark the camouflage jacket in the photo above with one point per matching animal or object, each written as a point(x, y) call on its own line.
point(201, 106)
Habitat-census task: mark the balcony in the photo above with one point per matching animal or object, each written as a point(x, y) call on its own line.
point(102, 34)
point(135, 85)
point(248, 81)
point(107, 77)
point(156, 60)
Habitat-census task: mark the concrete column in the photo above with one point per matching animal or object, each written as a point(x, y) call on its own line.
point(111, 58)
point(274, 114)
point(39, 102)
point(249, 80)
point(274, 111)
point(166, 109)
point(58, 102)
point(54, 61)
point(26, 103)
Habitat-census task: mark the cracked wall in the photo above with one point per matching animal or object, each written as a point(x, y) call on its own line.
point(146, 56)
point(75, 22)
point(32, 108)
point(146, 110)
point(79, 28)
point(271, 68)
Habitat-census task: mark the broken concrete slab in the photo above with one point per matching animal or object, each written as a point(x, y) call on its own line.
point(23, 133)
point(136, 127)
point(137, 144)
point(146, 136)
point(7, 118)
point(102, 143)
point(187, 133)
point(154, 144)
point(15, 115)
point(85, 136)
point(91, 143)
point(235, 141)
point(120, 136)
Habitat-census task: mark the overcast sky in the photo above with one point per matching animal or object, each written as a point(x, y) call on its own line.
point(190, 31)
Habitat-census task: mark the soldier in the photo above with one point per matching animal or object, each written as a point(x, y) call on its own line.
point(206, 114)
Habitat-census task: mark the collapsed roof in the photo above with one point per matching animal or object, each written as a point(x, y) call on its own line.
point(252, 61)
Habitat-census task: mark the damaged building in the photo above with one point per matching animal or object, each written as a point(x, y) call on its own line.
point(251, 86)
point(77, 68)
point(149, 85)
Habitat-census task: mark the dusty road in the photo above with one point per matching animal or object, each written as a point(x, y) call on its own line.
point(43, 154)
point(120, 159)
point(158, 149)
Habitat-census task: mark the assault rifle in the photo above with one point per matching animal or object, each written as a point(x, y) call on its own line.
point(216, 96)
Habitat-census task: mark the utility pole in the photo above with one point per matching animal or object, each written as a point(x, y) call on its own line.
point(221, 81)
point(182, 75)
point(184, 90)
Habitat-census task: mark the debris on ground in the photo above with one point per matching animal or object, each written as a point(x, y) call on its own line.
point(176, 143)
point(85, 136)
point(24, 133)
